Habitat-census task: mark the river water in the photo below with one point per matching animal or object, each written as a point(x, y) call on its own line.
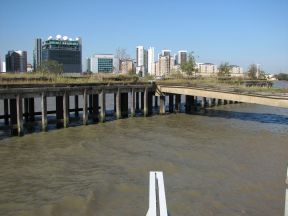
point(227, 160)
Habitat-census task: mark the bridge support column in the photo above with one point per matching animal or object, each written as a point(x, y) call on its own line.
point(133, 102)
point(124, 105)
point(177, 102)
point(216, 102)
point(142, 101)
point(189, 103)
point(210, 102)
point(76, 105)
point(13, 117)
point(6, 111)
point(203, 102)
point(85, 108)
point(66, 110)
point(118, 104)
point(19, 115)
point(171, 103)
point(59, 111)
point(95, 108)
point(44, 112)
point(103, 106)
point(162, 105)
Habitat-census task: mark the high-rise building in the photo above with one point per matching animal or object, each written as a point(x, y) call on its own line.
point(182, 57)
point(141, 60)
point(37, 53)
point(16, 61)
point(151, 61)
point(102, 63)
point(166, 52)
point(127, 66)
point(164, 65)
point(65, 51)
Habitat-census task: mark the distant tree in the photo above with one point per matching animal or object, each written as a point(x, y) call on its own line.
point(255, 73)
point(224, 70)
point(282, 76)
point(122, 55)
point(189, 67)
point(51, 66)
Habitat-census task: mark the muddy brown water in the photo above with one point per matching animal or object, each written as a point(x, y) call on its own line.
point(228, 160)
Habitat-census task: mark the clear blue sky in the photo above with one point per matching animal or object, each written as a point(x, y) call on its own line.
point(237, 31)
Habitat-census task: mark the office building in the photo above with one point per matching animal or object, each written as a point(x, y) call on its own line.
point(102, 63)
point(16, 61)
point(207, 69)
point(67, 52)
point(151, 61)
point(182, 57)
point(236, 71)
point(37, 54)
point(164, 65)
point(29, 68)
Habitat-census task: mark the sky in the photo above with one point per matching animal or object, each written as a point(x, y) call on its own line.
point(240, 32)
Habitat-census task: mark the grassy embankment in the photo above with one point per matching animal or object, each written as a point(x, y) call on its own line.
point(235, 84)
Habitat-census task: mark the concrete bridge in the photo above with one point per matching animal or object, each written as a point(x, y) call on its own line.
point(140, 97)
point(228, 94)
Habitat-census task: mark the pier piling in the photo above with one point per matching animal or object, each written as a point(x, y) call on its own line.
point(44, 112)
point(85, 109)
point(95, 107)
point(171, 103)
point(19, 115)
point(162, 105)
point(76, 105)
point(132, 102)
point(102, 106)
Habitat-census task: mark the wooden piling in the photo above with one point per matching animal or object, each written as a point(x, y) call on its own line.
point(65, 110)
point(85, 108)
point(124, 104)
point(118, 104)
point(137, 101)
point(13, 117)
point(162, 105)
point(19, 115)
point(103, 106)
point(145, 102)
point(44, 112)
point(133, 102)
point(95, 108)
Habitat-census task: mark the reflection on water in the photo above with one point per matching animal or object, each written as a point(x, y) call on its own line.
point(228, 160)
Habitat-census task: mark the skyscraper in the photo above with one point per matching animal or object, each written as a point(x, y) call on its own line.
point(182, 57)
point(37, 53)
point(141, 60)
point(16, 61)
point(151, 66)
point(67, 52)
point(166, 52)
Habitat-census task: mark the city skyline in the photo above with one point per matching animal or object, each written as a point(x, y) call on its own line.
point(239, 33)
